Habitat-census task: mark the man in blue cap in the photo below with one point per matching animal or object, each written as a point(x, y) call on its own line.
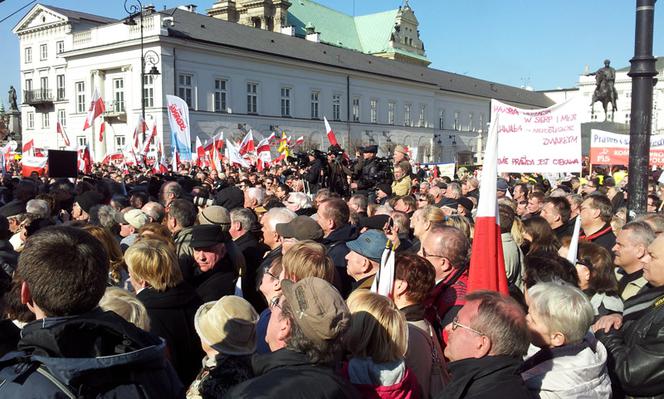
point(364, 257)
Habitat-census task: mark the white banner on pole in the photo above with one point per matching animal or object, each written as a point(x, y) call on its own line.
point(544, 140)
point(178, 118)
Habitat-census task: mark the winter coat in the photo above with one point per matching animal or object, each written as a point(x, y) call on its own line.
point(185, 253)
point(382, 381)
point(514, 261)
point(218, 375)
point(288, 374)
point(604, 238)
point(571, 371)
point(217, 282)
point(446, 298)
point(335, 243)
point(489, 377)
point(401, 187)
point(172, 318)
point(253, 252)
point(636, 350)
point(91, 353)
point(9, 336)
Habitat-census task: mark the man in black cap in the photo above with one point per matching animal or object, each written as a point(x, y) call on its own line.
point(366, 178)
point(338, 170)
point(83, 203)
point(383, 193)
point(315, 173)
point(216, 275)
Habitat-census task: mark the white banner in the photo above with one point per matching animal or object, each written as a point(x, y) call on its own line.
point(447, 169)
point(540, 140)
point(178, 117)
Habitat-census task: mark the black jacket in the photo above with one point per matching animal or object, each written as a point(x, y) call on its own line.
point(9, 336)
point(287, 374)
point(215, 283)
point(8, 257)
point(172, 318)
point(566, 230)
point(367, 177)
point(335, 243)
point(636, 351)
point(489, 377)
point(95, 352)
point(253, 252)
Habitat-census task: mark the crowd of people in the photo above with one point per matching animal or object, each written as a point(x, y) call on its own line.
point(246, 284)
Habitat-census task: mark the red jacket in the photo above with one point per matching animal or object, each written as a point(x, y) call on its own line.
point(444, 296)
point(407, 388)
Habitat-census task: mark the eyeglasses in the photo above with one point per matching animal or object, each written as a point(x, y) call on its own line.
point(426, 255)
point(274, 302)
point(456, 324)
point(267, 271)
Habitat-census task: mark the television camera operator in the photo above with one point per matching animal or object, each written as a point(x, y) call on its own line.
point(315, 173)
point(338, 170)
point(365, 170)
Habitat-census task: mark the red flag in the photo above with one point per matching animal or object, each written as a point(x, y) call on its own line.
point(84, 160)
point(28, 146)
point(30, 164)
point(487, 264)
point(299, 141)
point(330, 134)
point(102, 129)
point(247, 144)
point(146, 145)
point(200, 152)
point(61, 131)
point(97, 108)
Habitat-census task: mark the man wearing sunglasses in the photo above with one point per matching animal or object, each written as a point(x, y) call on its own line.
point(486, 342)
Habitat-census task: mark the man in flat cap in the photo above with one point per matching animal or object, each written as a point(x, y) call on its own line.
point(364, 257)
point(367, 169)
point(216, 274)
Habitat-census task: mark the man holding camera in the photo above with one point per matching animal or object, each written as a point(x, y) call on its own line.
point(368, 169)
point(315, 173)
point(338, 171)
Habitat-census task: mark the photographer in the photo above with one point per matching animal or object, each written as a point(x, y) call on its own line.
point(368, 169)
point(338, 170)
point(315, 173)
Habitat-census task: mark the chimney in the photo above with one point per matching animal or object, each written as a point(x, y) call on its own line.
point(288, 30)
point(188, 7)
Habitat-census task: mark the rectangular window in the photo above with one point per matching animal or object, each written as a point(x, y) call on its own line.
point(315, 95)
point(118, 95)
point(390, 112)
point(46, 121)
point(82, 141)
point(356, 109)
point(43, 52)
point(336, 107)
point(373, 108)
point(285, 101)
point(59, 47)
point(220, 95)
point(481, 123)
point(422, 120)
point(43, 89)
point(31, 120)
point(441, 119)
point(28, 85)
point(457, 123)
point(185, 89)
point(148, 90)
point(406, 115)
point(80, 97)
point(119, 143)
point(471, 122)
point(60, 86)
point(252, 98)
point(62, 117)
point(28, 55)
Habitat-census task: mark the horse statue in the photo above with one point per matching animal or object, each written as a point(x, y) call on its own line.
point(605, 92)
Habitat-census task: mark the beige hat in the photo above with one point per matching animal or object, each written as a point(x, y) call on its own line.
point(318, 308)
point(228, 325)
point(136, 218)
point(215, 214)
point(400, 148)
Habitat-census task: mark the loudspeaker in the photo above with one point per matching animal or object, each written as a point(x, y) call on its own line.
point(62, 163)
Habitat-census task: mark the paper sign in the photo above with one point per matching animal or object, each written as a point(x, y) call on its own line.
point(613, 149)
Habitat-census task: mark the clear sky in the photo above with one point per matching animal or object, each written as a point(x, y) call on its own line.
point(537, 43)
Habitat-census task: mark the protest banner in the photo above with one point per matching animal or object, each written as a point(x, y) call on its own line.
point(608, 148)
point(538, 140)
point(178, 118)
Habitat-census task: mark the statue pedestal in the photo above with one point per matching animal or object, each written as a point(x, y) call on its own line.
point(14, 125)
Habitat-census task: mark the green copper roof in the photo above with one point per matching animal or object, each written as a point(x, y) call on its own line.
point(369, 34)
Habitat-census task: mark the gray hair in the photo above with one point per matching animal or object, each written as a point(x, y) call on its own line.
point(562, 308)
point(278, 215)
point(257, 193)
point(361, 201)
point(244, 216)
point(502, 320)
point(300, 199)
point(106, 216)
point(155, 211)
point(642, 232)
point(38, 208)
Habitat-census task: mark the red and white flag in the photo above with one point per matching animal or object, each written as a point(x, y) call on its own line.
point(247, 144)
point(84, 160)
point(264, 158)
point(487, 263)
point(141, 127)
point(102, 129)
point(31, 164)
point(97, 108)
point(176, 160)
point(330, 134)
point(299, 141)
point(148, 140)
point(200, 152)
point(272, 138)
point(234, 157)
point(28, 146)
point(62, 133)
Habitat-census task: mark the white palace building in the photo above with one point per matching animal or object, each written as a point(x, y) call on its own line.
point(269, 66)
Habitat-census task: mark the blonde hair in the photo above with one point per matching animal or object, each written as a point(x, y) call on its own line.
point(154, 262)
point(377, 329)
point(461, 223)
point(308, 259)
point(126, 305)
point(112, 248)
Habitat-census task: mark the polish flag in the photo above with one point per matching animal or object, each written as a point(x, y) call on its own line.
point(97, 108)
point(264, 156)
point(272, 137)
point(61, 131)
point(141, 127)
point(200, 152)
point(148, 140)
point(330, 134)
point(30, 164)
point(102, 129)
point(487, 263)
point(234, 157)
point(84, 160)
point(299, 141)
point(176, 160)
point(247, 144)
point(28, 146)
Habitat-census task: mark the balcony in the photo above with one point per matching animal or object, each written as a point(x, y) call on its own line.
point(38, 97)
point(115, 111)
